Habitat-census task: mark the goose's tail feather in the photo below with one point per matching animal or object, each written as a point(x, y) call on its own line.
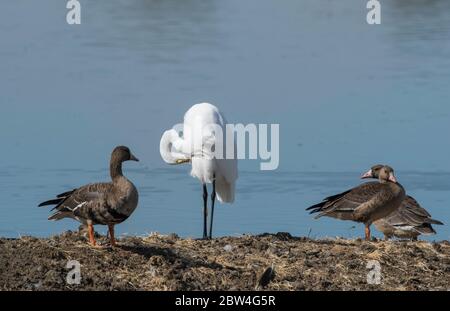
point(426, 229)
point(52, 202)
point(60, 215)
point(60, 198)
point(434, 221)
point(61, 212)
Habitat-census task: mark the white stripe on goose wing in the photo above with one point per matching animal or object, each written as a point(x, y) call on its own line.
point(78, 206)
point(405, 227)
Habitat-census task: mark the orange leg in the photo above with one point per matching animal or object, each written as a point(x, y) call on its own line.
point(367, 231)
point(91, 235)
point(111, 235)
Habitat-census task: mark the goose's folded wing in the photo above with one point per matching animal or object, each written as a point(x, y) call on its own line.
point(398, 219)
point(411, 215)
point(414, 207)
point(415, 214)
point(346, 202)
point(82, 199)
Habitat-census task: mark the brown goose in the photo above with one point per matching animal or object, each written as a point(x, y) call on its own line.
point(409, 221)
point(365, 203)
point(101, 203)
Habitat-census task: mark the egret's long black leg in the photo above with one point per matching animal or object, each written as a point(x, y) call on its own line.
point(205, 211)
point(213, 199)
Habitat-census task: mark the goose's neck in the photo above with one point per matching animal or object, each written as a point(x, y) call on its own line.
point(115, 169)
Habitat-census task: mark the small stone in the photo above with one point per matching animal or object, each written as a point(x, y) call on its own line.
point(228, 248)
point(266, 277)
point(173, 236)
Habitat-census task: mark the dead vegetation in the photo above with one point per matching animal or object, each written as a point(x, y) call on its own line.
point(161, 262)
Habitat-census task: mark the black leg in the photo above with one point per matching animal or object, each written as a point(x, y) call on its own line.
point(213, 199)
point(205, 211)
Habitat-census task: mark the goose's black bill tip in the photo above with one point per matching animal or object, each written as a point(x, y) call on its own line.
point(133, 158)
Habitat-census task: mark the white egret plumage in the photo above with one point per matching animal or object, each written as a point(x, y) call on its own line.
point(203, 144)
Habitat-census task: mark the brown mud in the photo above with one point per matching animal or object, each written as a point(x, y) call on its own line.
point(160, 262)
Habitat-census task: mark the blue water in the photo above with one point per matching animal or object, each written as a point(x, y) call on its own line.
point(347, 95)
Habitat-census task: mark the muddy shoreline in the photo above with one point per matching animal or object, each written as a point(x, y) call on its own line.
point(160, 262)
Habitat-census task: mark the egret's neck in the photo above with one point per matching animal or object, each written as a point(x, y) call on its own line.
point(171, 147)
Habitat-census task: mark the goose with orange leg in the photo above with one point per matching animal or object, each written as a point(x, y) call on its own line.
point(365, 203)
point(108, 203)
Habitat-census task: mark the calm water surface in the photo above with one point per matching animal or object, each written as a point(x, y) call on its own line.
point(346, 95)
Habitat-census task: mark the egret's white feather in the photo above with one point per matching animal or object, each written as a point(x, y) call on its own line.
point(198, 143)
point(171, 147)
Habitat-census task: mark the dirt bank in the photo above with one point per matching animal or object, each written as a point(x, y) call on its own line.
point(230, 263)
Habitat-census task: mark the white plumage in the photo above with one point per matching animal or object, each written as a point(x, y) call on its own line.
point(204, 136)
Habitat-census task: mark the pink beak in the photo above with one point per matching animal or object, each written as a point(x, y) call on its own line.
point(392, 178)
point(368, 174)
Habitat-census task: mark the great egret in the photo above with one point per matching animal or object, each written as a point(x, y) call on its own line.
point(203, 144)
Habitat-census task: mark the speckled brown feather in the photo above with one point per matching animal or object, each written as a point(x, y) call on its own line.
point(100, 203)
point(364, 203)
point(409, 221)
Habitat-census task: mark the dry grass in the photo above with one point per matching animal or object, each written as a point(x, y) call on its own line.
point(161, 262)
